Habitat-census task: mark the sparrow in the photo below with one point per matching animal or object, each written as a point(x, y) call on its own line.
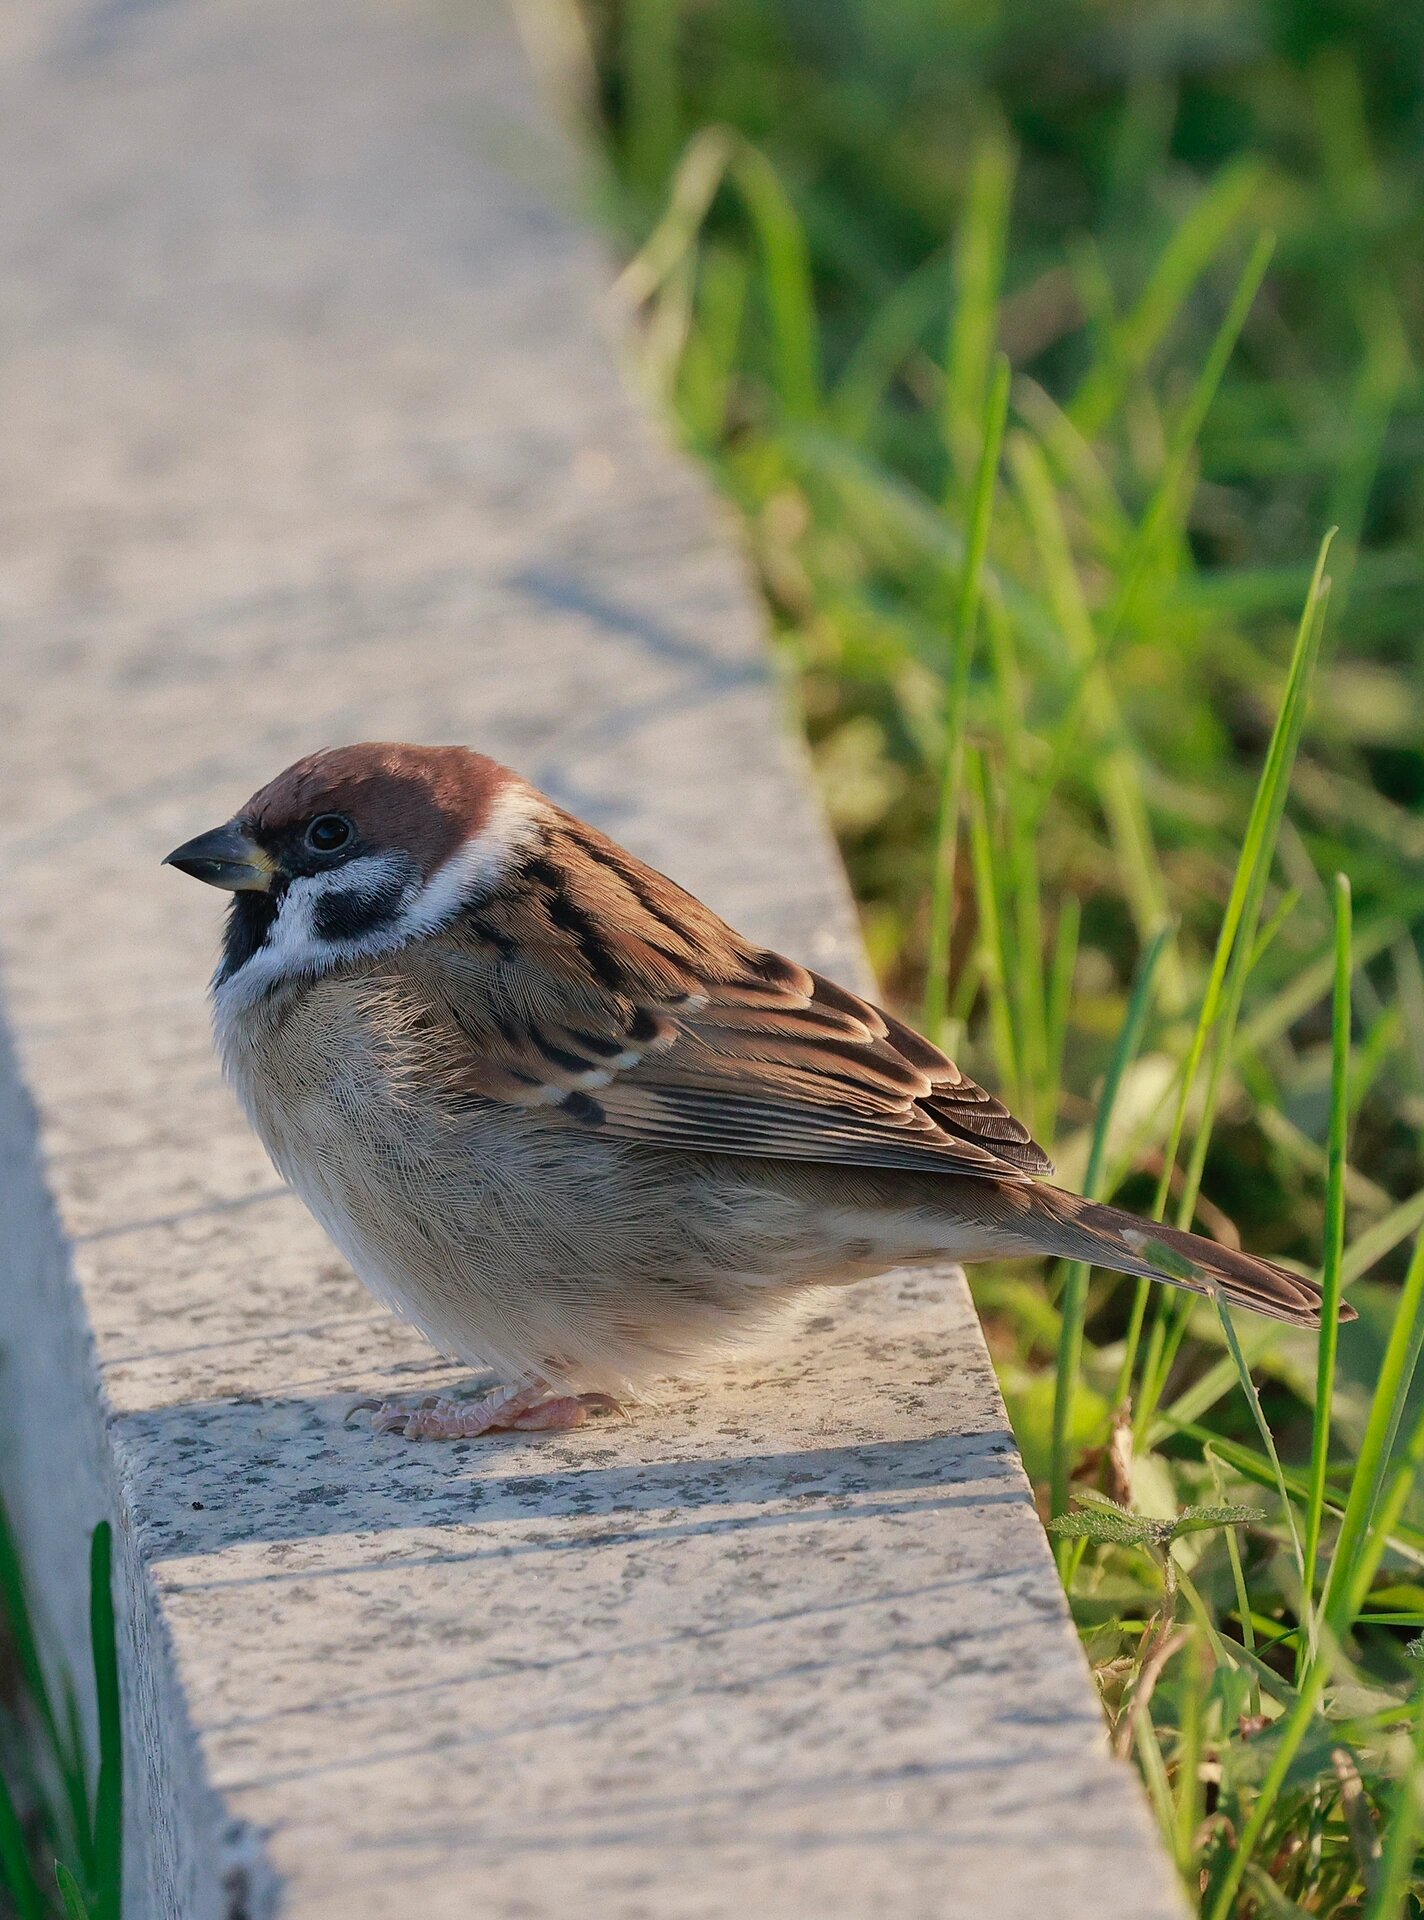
point(560, 1116)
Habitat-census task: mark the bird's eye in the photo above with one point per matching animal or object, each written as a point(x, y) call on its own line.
point(328, 832)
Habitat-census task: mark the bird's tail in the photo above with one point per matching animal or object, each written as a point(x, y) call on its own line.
point(1078, 1229)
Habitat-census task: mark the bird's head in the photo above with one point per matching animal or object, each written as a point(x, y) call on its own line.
point(355, 850)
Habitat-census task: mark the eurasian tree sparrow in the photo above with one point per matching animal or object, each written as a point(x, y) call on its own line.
point(562, 1117)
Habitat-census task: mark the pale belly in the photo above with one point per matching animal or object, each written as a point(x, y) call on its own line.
point(515, 1243)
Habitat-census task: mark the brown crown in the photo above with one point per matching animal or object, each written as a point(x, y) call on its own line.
point(425, 800)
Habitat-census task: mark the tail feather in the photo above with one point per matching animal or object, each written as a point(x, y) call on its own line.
point(1079, 1229)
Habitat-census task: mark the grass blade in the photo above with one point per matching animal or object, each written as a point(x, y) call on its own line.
point(61, 1738)
point(1168, 496)
point(699, 175)
point(786, 264)
point(1221, 1003)
point(712, 156)
point(1334, 1229)
point(75, 1906)
point(108, 1804)
point(1094, 703)
point(1060, 984)
point(1248, 886)
point(1387, 1531)
point(1253, 1400)
point(1135, 338)
point(1238, 1582)
point(651, 105)
point(993, 966)
point(16, 1875)
point(1075, 1292)
point(859, 392)
point(1292, 1736)
point(979, 248)
point(1383, 1237)
point(956, 688)
point(1405, 1819)
point(1190, 1786)
point(15, 1608)
point(1391, 1390)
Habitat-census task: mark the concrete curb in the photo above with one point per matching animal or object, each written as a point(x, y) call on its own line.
point(310, 436)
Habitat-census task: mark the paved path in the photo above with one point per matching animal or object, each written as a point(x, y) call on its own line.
point(311, 434)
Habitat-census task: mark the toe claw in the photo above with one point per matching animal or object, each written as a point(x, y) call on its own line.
point(390, 1416)
point(602, 1403)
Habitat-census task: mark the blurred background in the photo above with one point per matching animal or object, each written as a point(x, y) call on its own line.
point(1056, 695)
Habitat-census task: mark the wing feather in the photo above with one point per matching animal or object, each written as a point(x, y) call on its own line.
point(592, 987)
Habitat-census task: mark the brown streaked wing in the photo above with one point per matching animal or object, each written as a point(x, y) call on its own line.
point(594, 988)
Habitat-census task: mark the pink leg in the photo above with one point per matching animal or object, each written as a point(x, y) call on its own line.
point(530, 1409)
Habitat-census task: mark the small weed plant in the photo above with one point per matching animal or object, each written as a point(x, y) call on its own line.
point(61, 1841)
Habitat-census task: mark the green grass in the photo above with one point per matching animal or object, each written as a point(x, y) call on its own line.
point(61, 1847)
point(1126, 768)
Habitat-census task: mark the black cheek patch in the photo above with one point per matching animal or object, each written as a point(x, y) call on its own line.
point(350, 915)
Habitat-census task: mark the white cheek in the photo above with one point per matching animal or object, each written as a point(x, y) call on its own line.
point(291, 951)
point(295, 950)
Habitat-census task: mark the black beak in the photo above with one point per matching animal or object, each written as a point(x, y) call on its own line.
point(228, 857)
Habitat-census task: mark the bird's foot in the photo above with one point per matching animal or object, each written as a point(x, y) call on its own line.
point(529, 1409)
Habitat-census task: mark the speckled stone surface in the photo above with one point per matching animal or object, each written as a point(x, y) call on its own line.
point(312, 433)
